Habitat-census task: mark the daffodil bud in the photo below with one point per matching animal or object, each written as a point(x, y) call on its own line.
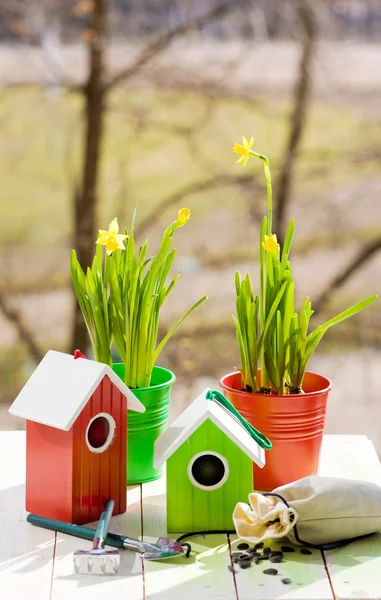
point(270, 244)
point(183, 215)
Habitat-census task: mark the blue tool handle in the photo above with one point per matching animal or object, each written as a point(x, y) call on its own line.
point(78, 531)
point(103, 525)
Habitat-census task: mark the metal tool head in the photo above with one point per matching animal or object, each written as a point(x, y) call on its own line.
point(163, 548)
point(96, 562)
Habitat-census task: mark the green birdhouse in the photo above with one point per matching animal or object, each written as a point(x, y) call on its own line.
point(209, 450)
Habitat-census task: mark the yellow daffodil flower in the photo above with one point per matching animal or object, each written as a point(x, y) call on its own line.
point(183, 215)
point(270, 244)
point(112, 239)
point(244, 150)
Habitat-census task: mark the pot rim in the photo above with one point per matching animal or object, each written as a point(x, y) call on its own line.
point(244, 393)
point(158, 386)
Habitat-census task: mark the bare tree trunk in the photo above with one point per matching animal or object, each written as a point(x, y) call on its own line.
point(86, 198)
point(23, 332)
point(95, 91)
point(298, 117)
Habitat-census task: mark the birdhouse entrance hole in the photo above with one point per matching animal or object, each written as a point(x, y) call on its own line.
point(208, 470)
point(100, 432)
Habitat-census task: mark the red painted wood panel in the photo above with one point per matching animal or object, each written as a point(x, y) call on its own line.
point(81, 471)
point(93, 461)
point(119, 468)
point(116, 449)
point(49, 472)
point(98, 477)
point(105, 457)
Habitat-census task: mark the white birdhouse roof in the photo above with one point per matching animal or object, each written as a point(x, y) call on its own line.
point(60, 387)
point(195, 415)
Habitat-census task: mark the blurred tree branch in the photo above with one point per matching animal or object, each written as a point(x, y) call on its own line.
point(364, 255)
point(298, 118)
point(162, 42)
point(192, 188)
point(25, 336)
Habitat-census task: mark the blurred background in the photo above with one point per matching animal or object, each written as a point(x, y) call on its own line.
point(105, 103)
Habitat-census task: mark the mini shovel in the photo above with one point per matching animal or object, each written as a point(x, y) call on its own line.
point(163, 548)
point(98, 560)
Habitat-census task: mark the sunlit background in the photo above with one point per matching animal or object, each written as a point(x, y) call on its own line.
point(174, 84)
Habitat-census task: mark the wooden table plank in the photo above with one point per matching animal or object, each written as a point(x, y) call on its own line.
point(355, 570)
point(26, 553)
point(350, 456)
point(308, 576)
point(127, 583)
point(204, 575)
point(208, 570)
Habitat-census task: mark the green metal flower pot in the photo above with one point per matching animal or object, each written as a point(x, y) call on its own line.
point(144, 428)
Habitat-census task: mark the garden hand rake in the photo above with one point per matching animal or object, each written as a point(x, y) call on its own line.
point(97, 560)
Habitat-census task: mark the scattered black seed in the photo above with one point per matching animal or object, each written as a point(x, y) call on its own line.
point(259, 545)
point(267, 550)
point(245, 564)
point(253, 552)
point(270, 572)
point(243, 546)
point(276, 559)
point(305, 551)
point(231, 569)
point(276, 553)
point(244, 556)
point(286, 580)
point(287, 549)
point(256, 560)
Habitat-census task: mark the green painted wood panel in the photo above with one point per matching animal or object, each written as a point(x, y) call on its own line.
point(192, 509)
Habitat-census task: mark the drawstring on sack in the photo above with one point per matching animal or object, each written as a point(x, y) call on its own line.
point(202, 533)
point(322, 547)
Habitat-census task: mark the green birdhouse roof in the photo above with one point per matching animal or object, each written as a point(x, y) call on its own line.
point(195, 415)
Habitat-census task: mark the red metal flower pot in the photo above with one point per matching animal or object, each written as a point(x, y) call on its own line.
point(293, 423)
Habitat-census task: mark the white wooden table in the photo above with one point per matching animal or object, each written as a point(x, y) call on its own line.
point(38, 564)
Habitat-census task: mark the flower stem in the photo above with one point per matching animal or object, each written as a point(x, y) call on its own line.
point(265, 382)
point(266, 166)
point(269, 197)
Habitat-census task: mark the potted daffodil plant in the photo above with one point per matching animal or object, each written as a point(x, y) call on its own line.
point(121, 297)
point(273, 389)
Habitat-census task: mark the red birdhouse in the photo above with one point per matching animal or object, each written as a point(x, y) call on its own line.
point(76, 437)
